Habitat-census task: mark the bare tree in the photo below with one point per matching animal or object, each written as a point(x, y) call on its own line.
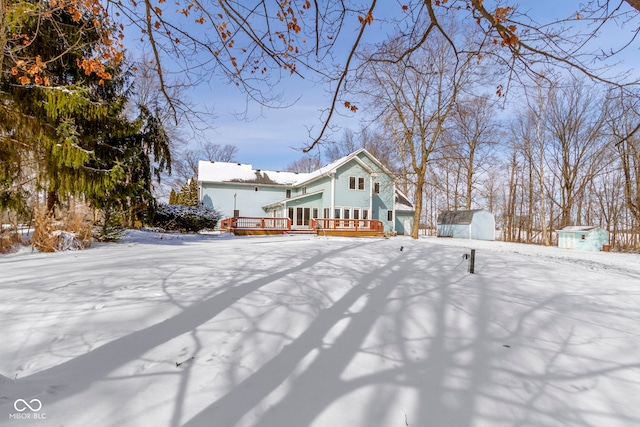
point(191, 119)
point(252, 42)
point(574, 119)
point(472, 137)
point(532, 134)
point(623, 121)
point(304, 164)
point(186, 163)
point(368, 138)
point(416, 95)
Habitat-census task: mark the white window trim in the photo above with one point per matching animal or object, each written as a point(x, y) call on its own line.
point(357, 180)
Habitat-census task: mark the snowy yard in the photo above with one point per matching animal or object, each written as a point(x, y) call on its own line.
point(303, 331)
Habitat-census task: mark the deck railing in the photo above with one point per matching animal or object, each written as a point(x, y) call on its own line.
point(316, 224)
point(255, 223)
point(348, 224)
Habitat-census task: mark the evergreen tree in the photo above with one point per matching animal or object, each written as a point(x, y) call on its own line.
point(72, 137)
point(193, 199)
point(189, 193)
point(173, 197)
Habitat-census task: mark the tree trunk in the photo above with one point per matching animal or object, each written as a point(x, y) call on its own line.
point(52, 199)
point(418, 205)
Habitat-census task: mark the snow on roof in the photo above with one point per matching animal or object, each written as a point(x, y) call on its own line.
point(402, 202)
point(244, 173)
point(578, 228)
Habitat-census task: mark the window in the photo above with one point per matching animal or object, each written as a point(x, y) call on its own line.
point(304, 190)
point(325, 213)
point(255, 188)
point(288, 193)
point(376, 188)
point(352, 182)
point(346, 213)
point(291, 214)
point(314, 213)
point(336, 213)
point(389, 215)
point(583, 237)
point(356, 214)
point(365, 213)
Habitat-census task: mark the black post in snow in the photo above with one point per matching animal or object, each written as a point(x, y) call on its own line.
point(472, 261)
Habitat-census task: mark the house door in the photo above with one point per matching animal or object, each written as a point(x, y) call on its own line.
point(302, 217)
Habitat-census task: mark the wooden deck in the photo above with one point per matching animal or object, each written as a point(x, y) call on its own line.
point(246, 226)
point(348, 227)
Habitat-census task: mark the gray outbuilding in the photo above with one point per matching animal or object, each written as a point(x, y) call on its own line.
point(477, 224)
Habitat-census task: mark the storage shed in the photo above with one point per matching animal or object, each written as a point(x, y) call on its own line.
point(586, 238)
point(477, 224)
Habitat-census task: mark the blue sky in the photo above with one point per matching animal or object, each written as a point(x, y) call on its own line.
point(272, 138)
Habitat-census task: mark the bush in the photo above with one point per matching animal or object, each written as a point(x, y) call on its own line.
point(111, 225)
point(185, 218)
point(72, 232)
point(10, 240)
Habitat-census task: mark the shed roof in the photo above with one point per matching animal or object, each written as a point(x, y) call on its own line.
point(578, 228)
point(457, 217)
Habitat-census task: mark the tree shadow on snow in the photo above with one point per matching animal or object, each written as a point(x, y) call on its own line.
point(458, 350)
point(413, 340)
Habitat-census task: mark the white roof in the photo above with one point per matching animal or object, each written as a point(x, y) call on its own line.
point(241, 172)
point(578, 228)
point(402, 202)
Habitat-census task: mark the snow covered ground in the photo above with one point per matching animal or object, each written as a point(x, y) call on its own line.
point(171, 330)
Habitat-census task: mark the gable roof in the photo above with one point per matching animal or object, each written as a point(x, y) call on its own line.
point(457, 217)
point(244, 173)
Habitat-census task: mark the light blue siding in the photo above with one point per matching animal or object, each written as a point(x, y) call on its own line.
point(248, 201)
point(404, 222)
point(587, 240)
point(474, 224)
point(346, 196)
point(458, 231)
point(322, 184)
point(483, 226)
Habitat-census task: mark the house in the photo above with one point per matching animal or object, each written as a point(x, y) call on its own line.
point(586, 238)
point(477, 224)
point(356, 189)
